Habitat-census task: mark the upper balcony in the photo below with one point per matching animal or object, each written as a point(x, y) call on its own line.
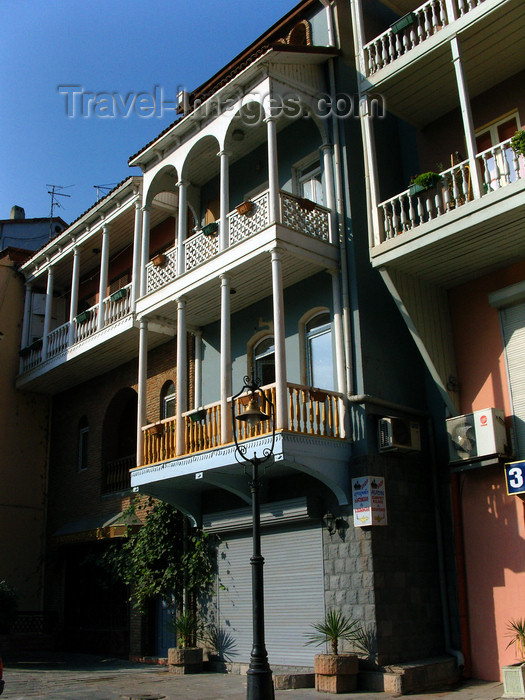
point(446, 235)
point(410, 63)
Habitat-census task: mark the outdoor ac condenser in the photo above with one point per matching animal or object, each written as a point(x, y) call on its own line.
point(398, 434)
point(476, 435)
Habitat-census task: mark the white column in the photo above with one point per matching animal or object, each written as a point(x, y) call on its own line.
point(104, 264)
point(48, 312)
point(27, 315)
point(73, 305)
point(224, 201)
point(142, 389)
point(180, 405)
point(273, 170)
point(144, 256)
point(451, 10)
point(326, 151)
point(281, 406)
point(226, 373)
point(135, 273)
point(182, 226)
point(359, 35)
point(338, 332)
point(375, 230)
point(466, 114)
point(197, 399)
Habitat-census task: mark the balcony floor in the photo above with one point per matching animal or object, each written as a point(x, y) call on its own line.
point(182, 481)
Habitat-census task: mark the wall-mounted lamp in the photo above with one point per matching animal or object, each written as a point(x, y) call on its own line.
point(332, 523)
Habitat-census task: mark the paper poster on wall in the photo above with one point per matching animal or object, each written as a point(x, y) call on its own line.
point(369, 501)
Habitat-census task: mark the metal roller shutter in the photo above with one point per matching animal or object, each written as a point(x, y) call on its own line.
point(513, 323)
point(293, 592)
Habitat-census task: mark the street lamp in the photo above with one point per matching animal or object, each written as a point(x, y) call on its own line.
point(259, 674)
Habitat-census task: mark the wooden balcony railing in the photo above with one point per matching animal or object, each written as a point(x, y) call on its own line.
point(310, 412)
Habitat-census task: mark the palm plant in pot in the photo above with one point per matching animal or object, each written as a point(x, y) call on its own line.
point(336, 672)
point(514, 675)
point(186, 657)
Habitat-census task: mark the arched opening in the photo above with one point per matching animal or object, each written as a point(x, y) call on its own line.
point(264, 360)
point(318, 351)
point(83, 443)
point(167, 400)
point(119, 441)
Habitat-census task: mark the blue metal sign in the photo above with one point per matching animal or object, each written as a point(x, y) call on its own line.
point(515, 477)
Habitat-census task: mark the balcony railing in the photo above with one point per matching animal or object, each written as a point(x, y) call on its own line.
point(115, 307)
point(200, 248)
point(410, 31)
point(499, 166)
point(115, 474)
point(310, 412)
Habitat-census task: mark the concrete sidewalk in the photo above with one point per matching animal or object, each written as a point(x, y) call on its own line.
point(82, 676)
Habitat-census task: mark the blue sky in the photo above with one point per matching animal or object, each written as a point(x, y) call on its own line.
point(103, 46)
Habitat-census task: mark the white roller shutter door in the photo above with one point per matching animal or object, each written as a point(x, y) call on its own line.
point(293, 592)
point(513, 323)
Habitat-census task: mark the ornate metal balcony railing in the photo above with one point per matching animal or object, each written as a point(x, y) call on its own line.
point(499, 166)
point(310, 412)
point(410, 31)
point(115, 474)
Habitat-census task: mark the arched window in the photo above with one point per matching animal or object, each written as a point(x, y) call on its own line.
point(264, 360)
point(318, 352)
point(83, 435)
point(167, 400)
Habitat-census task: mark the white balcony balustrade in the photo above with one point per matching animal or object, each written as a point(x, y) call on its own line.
point(296, 213)
point(410, 31)
point(499, 166)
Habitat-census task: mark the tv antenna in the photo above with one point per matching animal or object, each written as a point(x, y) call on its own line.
point(104, 189)
point(55, 202)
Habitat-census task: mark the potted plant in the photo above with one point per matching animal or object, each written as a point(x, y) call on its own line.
point(186, 657)
point(211, 229)
point(335, 672)
point(514, 675)
point(305, 203)
point(199, 414)
point(423, 182)
point(244, 207)
point(83, 316)
point(517, 143)
point(119, 294)
point(159, 260)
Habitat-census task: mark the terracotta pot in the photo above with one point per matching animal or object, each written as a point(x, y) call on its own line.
point(181, 661)
point(244, 207)
point(336, 673)
point(159, 260)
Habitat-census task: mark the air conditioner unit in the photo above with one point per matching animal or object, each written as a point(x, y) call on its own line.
point(398, 434)
point(476, 435)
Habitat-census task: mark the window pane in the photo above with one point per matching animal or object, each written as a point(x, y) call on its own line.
point(320, 360)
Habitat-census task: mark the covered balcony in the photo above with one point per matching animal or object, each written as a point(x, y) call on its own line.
point(182, 466)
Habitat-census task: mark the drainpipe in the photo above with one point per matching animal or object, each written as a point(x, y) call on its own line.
point(374, 400)
point(347, 329)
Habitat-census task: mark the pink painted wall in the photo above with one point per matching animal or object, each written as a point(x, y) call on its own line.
point(493, 522)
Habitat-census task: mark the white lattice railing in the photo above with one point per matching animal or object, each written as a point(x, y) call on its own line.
point(242, 226)
point(198, 249)
point(410, 31)
point(313, 221)
point(159, 275)
point(499, 167)
point(57, 340)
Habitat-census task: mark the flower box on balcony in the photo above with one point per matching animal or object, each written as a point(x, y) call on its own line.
point(318, 395)
point(306, 203)
point(415, 189)
point(211, 229)
point(159, 260)
point(157, 429)
point(197, 415)
point(403, 22)
point(119, 294)
point(423, 182)
point(83, 316)
point(24, 352)
point(244, 207)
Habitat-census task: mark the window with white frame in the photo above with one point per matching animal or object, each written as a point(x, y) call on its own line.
point(307, 179)
point(318, 351)
point(499, 162)
point(83, 441)
point(264, 360)
point(167, 400)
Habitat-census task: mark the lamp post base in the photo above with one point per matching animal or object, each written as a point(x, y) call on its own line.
point(259, 684)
